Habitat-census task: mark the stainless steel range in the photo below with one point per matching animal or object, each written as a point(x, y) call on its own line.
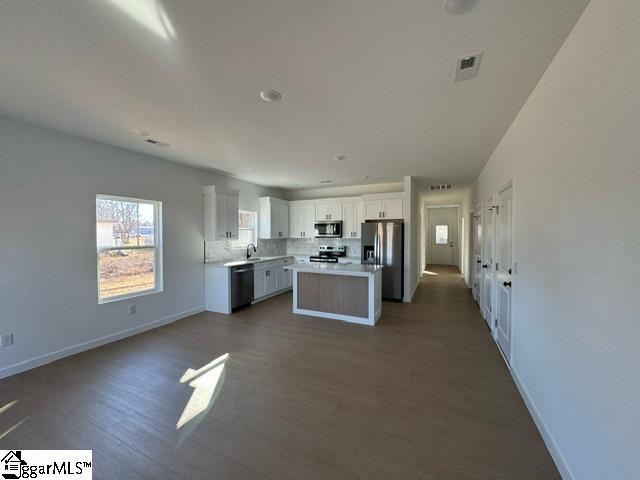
point(329, 254)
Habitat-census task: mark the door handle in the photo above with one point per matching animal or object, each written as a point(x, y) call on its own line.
point(506, 284)
point(243, 271)
point(485, 266)
point(478, 261)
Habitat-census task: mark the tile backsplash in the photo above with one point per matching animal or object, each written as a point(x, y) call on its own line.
point(222, 250)
point(309, 246)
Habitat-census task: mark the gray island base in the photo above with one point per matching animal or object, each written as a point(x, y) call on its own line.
point(352, 293)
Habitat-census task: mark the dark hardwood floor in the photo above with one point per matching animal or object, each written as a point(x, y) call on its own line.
point(422, 395)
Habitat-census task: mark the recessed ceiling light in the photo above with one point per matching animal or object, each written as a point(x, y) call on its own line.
point(140, 132)
point(326, 181)
point(339, 158)
point(251, 170)
point(270, 95)
point(456, 7)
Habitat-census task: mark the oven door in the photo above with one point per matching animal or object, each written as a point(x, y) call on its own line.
point(328, 229)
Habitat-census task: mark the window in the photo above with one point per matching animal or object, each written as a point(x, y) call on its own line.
point(442, 234)
point(128, 240)
point(247, 229)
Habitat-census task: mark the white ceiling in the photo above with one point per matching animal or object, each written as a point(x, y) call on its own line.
point(369, 79)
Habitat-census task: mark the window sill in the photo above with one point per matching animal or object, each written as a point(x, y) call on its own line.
point(119, 298)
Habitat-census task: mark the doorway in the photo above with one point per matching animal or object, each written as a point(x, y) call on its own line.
point(442, 239)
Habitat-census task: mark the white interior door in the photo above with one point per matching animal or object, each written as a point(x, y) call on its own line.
point(442, 236)
point(504, 270)
point(477, 254)
point(442, 244)
point(487, 263)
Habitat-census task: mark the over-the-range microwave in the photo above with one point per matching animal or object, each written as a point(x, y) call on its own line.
point(331, 229)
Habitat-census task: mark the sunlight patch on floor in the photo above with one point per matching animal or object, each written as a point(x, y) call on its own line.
point(8, 431)
point(7, 406)
point(427, 272)
point(206, 382)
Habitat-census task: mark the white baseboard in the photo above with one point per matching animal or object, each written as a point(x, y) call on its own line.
point(81, 347)
point(271, 295)
point(552, 446)
point(409, 299)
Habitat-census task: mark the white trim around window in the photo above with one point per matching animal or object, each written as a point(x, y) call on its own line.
point(153, 242)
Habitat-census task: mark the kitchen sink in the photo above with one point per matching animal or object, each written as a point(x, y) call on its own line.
point(254, 259)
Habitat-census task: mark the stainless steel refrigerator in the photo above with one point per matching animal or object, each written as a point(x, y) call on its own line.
point(383, 244)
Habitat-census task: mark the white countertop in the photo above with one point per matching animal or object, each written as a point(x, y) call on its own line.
point(236, 263)
point(357, 270)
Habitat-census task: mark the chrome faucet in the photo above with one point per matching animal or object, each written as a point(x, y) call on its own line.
point(254, 249)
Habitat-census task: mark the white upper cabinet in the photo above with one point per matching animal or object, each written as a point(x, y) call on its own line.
point(274, 218)
point(301, 221)
point(387, 207)
point(351, 219)
point(220, 213)
point(231, 215)
point(393, 208)
point(328, 211)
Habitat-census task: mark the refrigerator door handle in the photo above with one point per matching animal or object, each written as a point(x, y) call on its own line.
point(375, 249)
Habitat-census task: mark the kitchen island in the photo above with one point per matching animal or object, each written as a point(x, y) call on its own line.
point(352, 293)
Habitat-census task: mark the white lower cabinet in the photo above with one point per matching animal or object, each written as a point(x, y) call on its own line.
point(270, 278)
point(285, 278)
point(258, 282)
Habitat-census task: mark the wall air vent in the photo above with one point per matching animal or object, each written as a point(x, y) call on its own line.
point(153, 141)
point(467, 67)
point(443, 186)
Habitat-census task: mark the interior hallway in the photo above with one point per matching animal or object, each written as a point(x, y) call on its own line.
point(423, 395)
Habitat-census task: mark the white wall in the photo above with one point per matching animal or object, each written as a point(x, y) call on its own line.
point(48, 184)
point(412, 229)
point(573, 153)
point(465, 218)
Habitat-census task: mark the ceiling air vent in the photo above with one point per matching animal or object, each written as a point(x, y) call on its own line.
point(443, 186)
point(156, 142)
point(468, 66)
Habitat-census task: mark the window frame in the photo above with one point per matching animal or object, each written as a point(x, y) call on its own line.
point(235, 244)
point(448, 228)
point(157, 245)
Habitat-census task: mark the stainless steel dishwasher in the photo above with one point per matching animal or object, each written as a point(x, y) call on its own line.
point(241, 286)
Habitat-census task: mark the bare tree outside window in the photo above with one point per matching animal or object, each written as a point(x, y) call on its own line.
point(127, 239)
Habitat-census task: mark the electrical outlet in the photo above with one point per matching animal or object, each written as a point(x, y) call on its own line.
point(132, 309)
point(7, 339)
